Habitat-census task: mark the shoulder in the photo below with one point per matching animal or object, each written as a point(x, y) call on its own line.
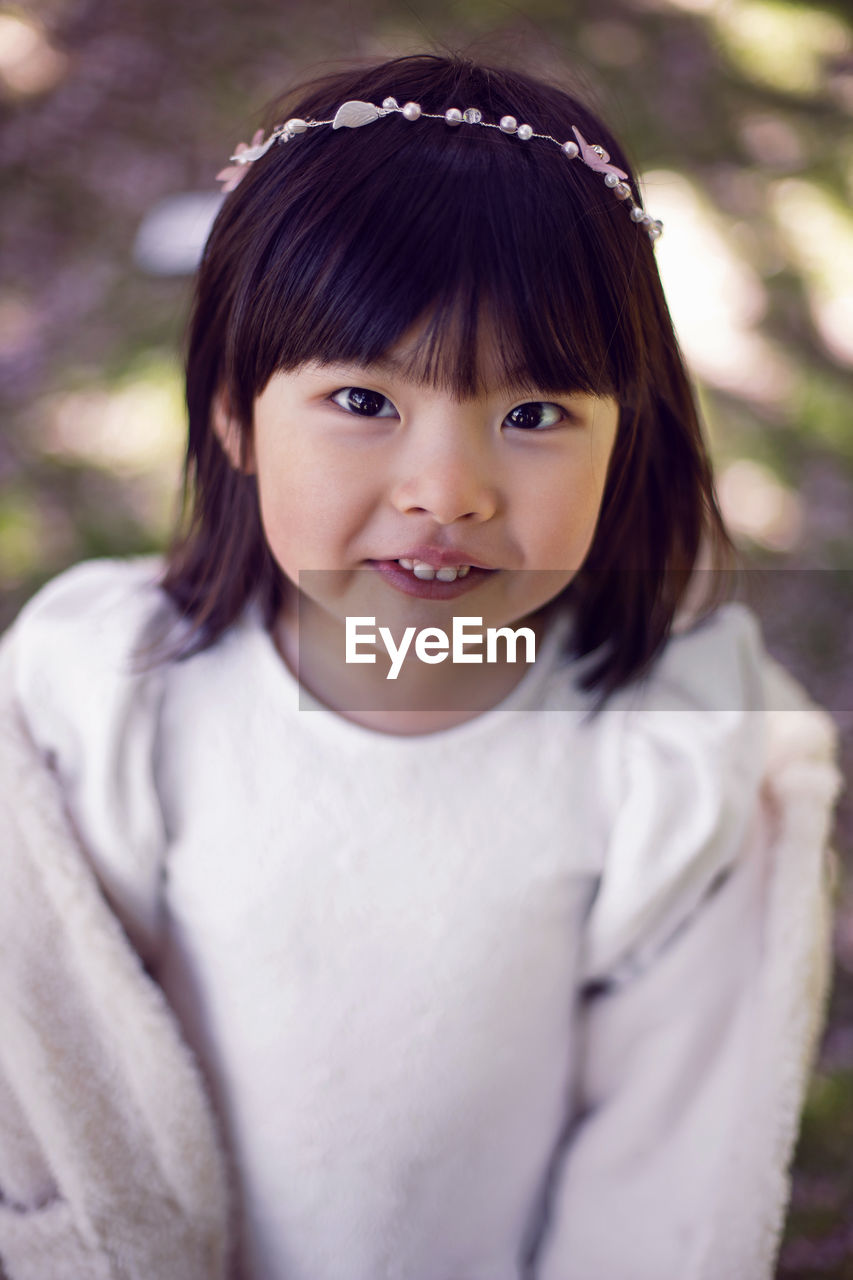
point(72, 649)
point(105, 603)
point(700, 707)
point(96, 596)
point(715, 664)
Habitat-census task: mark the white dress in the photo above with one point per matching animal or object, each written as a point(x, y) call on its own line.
point(471, 1005)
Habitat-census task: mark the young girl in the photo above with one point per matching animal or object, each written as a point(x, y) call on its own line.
point(309, 973)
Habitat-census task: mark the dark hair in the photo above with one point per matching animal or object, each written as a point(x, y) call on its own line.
point(333, 245)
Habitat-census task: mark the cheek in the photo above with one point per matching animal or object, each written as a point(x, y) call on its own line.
point(567, 504)
point(306, 496)
point(562, 508)
point(281, 496)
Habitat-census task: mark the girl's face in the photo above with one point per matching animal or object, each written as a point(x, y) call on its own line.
point(358, 465)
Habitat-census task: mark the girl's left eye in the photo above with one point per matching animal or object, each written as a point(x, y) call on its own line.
point(367, 404)
point(535, 414)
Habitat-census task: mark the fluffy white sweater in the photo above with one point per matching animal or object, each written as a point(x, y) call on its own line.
point(622, 1084)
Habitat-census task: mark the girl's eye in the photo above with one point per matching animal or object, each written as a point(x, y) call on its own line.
point(358, 400)
point(535, 414)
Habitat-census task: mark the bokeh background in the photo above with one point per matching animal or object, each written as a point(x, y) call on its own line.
point(117, 116)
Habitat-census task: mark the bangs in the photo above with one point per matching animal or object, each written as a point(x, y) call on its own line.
point(479, 242)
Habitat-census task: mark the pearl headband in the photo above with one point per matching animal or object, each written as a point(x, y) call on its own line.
point(353, 114)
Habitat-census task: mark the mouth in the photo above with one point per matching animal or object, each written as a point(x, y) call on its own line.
point(415, 577)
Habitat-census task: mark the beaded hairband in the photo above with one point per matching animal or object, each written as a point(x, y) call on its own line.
point(353, 114)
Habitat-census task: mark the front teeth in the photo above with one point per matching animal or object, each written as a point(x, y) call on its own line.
point(426, 571)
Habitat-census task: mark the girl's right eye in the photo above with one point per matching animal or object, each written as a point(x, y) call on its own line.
point(367, 404)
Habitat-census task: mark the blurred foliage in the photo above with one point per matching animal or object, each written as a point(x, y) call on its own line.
point(108, 108)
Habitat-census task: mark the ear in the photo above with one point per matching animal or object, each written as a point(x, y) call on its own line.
point(230, 435)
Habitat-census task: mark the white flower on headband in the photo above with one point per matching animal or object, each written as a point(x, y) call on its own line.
point(232, 174)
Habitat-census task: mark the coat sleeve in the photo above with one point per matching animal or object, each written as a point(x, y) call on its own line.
point(702, 1002)
point(111, 1166)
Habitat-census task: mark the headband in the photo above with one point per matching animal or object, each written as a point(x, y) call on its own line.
point(354, 114)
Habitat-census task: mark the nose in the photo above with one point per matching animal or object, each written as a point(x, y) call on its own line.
point(446, 474)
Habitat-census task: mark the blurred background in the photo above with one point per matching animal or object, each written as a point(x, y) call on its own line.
point(739, 114)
